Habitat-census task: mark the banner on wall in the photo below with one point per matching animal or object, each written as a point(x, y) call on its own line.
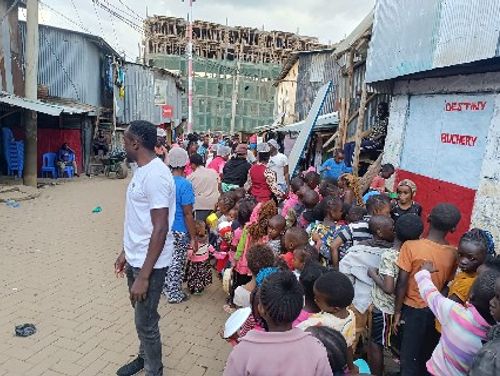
point(446, 135)
point(160, 92)
point(167, 111)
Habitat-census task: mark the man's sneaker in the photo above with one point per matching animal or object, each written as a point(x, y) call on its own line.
point(132, 368)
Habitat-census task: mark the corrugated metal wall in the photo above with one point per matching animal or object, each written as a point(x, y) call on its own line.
point(415, 36)
point(69, 64)
point(139, 101)
point(315, 69)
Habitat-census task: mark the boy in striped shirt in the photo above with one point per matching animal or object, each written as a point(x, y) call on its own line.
point(463, 328)
point(354, 233)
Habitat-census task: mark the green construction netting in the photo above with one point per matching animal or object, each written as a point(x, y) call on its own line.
point(213, 89)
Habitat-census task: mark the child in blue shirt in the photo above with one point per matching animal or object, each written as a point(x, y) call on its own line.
point(334, 167)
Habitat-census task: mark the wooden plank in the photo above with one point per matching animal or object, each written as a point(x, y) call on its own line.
point(340, 129)
point(330, 139)
point(359, 130)
point(349, 96)
point(356, 114)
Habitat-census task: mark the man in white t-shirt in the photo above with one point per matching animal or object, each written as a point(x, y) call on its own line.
point(147, 243)
point(279, 164)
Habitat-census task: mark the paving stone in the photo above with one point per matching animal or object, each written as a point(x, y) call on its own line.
point(68, 290)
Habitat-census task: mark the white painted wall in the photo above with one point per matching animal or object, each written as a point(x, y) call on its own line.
point(286, 94)
point(486, 211)
point(394, 141)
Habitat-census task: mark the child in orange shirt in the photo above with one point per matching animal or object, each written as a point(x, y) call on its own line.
point(419, 336)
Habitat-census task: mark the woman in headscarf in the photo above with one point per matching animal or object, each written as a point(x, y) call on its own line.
point(406, 191)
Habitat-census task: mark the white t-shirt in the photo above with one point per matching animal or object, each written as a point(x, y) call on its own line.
point(151, 187)
point(278, 163)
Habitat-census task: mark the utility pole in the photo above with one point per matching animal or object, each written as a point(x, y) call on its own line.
point(236, 85)
point(30, 85)
point(189, 52)
point(113, 118)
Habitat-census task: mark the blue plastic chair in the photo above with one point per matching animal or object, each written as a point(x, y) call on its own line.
point(20, 158)
point(13, 153)
point(49, 164)
point(69, 170)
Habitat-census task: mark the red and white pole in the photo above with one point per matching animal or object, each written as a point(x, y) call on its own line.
point(189, 52)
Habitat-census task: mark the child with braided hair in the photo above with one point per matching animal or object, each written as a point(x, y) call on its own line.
point(254, 232)
point(472, 251)
point(279, 349)
point(350, 190)
point(258, 257)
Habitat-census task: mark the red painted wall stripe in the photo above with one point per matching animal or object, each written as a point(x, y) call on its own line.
point(51, 139)
point(431, 192)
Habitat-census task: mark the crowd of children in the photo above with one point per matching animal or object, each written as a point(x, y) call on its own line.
point(326, 276)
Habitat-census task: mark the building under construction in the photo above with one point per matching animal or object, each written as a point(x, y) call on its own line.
point(225, 58)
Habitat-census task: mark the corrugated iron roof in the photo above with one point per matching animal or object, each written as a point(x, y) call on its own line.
point(294, 57)
point(360, 30)
point(99, 41)
point(69, 104)
point(411, 37)
point(43, 107)
point(331, 118)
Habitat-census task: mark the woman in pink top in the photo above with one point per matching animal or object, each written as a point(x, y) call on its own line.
point(281, 349)
point(217, 164)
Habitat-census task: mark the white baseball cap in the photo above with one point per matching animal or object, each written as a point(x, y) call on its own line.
point(274, 144)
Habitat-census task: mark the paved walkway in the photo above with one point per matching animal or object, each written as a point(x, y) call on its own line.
point(57, 272)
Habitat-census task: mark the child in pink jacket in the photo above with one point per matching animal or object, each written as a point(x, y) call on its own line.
point(281, 349)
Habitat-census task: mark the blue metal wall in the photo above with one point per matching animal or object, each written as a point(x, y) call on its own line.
point(139, 100)
point(69, 64)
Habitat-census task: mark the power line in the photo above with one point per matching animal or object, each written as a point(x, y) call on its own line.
point(98, 18)
point(77, 13)
point(115, 13)
point(132, 17)
point(73, 22)
point(66, 18)
point(137, 15)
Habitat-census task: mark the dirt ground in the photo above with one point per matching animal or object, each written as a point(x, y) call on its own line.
point(57, 273)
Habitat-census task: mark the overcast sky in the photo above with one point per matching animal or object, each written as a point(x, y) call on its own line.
point(329, 20)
